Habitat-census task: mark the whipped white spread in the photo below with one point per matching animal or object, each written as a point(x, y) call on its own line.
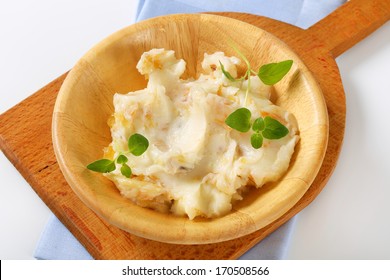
point(195, 165)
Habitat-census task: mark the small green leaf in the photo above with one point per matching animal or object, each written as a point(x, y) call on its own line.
point(122, 159)
point(258, 124)
point(239, 120)
point(102, 166)
point(126, 170)
point(137, 144)
point(226, 73)
point(257, 140)
point(274, 129)
point(272, 73)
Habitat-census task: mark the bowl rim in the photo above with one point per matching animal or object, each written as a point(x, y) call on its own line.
point(196, 231)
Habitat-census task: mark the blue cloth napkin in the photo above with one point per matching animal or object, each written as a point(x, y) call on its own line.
point(57, 243)
point(302, 13)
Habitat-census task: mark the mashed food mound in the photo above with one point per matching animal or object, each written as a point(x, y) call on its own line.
point(195, 165)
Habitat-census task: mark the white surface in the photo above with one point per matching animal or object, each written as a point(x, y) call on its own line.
point(350, 219)
point(42, 39)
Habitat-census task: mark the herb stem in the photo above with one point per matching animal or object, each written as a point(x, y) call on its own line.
point(248, 73)
point(240, 54)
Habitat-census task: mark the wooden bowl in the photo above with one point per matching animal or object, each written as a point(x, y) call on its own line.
point(84, 104)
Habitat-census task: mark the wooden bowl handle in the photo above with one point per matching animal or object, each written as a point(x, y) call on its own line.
point(350, 23)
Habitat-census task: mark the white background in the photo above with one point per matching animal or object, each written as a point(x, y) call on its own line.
point(350, 219)
point(206, 270)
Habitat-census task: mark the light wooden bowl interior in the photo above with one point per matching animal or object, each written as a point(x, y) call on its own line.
point(84, 104)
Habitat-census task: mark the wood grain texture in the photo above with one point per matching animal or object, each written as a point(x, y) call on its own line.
point(350, 24)
point(29, 125)
point(84, 104)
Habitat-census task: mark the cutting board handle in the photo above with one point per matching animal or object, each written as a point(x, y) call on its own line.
point(351, 23)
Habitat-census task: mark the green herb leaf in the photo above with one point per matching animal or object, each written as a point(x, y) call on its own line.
point(122, 159)
point(272, 73)
point(102, 166)
point(226, 73)
point(126, 170)
point(257, 140)
point(239, 120)
point(274, 129)
point(137, 144)
point(258, 124)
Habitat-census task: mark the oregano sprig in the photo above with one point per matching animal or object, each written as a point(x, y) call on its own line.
point(125, 169)
point(240, 119)
point(137, 145)
point(267, 127)
point(269, 74)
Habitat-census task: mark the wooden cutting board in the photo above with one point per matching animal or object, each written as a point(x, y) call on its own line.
point(25, 138)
